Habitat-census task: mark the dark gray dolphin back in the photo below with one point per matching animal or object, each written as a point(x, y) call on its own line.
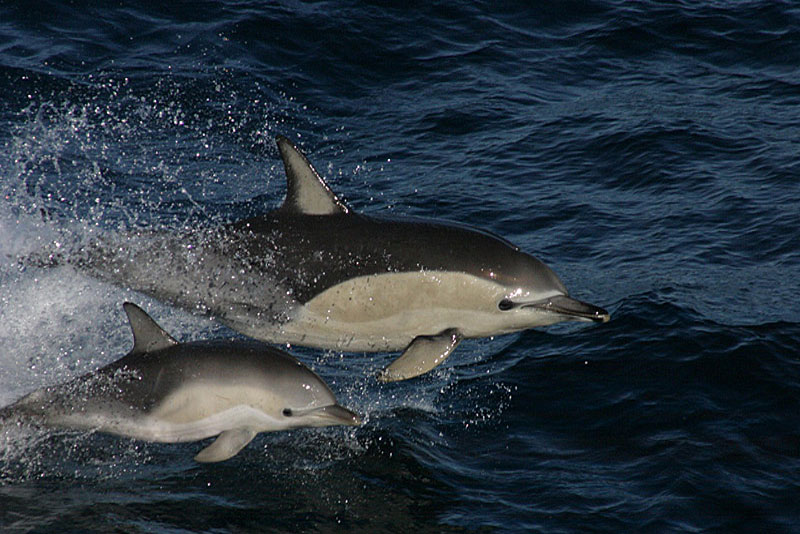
point(311, 253)
point(239, 364)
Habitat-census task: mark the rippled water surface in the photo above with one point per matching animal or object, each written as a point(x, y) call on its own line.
point(649, 153)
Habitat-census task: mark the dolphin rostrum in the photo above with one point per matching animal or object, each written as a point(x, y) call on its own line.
point(167, 391)
point(315, 273)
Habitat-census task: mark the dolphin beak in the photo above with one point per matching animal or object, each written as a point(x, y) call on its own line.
point(573, 308)
point(336, 414)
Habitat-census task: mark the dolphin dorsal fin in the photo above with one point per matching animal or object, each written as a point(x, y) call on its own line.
point(147, 335)
point(306, 191)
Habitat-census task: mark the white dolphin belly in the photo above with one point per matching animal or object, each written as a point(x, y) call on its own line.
point(386, 312)
point(153, 428)
point(190, 413)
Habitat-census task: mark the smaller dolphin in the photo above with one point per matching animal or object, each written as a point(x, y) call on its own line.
point(172, 392)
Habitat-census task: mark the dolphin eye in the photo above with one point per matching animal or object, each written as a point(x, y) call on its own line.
point(287, 412)
point(505, 305)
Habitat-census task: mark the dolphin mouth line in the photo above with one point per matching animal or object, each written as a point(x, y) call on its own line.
point(332, 412)
point(570, 307)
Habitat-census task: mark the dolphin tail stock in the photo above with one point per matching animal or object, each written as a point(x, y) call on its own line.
point(46, 257)
point(7, 416)
point(423, 354)
point(19, 413)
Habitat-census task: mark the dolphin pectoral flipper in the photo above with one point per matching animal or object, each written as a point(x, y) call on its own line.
point(227, 445)
point(422, 355)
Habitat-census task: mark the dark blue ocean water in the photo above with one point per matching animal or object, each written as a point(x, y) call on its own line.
point(648, 152)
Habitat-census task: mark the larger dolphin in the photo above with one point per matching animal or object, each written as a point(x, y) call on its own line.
point(171, 392)
point(314, 273)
